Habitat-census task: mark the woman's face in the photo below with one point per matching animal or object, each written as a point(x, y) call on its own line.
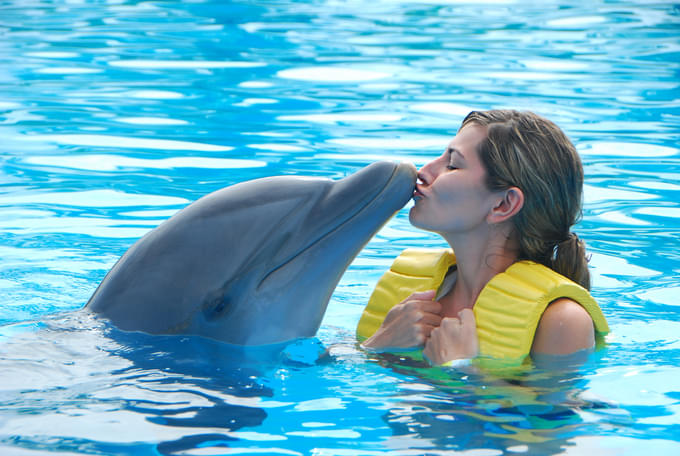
point(451, 196)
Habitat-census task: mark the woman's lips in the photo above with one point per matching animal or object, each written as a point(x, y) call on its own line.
point(417, 194)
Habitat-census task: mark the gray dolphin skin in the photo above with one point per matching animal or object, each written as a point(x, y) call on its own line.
point(254, 263)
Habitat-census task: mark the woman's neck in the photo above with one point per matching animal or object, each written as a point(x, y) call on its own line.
point(478, 260)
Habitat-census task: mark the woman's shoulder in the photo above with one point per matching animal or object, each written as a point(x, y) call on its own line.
point(565, 327)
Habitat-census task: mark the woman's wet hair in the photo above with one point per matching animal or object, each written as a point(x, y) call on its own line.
point(529, 152)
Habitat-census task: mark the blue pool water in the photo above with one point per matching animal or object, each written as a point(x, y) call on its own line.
point(115, 114)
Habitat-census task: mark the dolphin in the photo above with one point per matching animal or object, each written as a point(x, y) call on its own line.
point(254, 263)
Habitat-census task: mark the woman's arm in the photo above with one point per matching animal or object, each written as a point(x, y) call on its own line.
point(565, 327)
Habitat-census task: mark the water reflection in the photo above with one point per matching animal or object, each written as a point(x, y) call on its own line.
point(88, 382)
point(531, 409)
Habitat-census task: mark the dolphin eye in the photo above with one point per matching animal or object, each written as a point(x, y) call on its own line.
point(220, 307)
point(213, 308)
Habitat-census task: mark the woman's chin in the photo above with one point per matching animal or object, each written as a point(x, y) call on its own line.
point(412, 215)
point(415, 217)
point(419, 220)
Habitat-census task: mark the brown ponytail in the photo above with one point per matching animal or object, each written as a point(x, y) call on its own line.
point(570, 260)
point(527, 151)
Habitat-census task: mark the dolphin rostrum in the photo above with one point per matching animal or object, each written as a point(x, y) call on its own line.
point(254, 263)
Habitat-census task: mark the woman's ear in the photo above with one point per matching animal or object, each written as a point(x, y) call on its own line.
point(510, 202)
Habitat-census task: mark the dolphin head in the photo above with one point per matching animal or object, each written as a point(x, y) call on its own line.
point(254, 263)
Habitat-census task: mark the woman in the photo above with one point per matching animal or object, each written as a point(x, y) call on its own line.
point(507, 189)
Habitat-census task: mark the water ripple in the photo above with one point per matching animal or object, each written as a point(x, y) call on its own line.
point(115, 114)
point(117, 162)
point(125, 142)
point(182, 65)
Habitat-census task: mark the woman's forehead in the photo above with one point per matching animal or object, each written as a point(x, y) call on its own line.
point(467, 139)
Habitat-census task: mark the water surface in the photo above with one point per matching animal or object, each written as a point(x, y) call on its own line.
point(116, 114)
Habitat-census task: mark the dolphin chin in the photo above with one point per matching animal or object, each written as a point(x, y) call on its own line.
point(254, 263)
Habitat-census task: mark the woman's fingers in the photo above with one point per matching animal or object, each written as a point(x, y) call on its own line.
point(469, 331)
point(430, 319)
point(455, 338)
point(409, 323)
point(433, 307)
point(426, 312)
point(423, 302)
point(433, 347)
point(422, 295)
point(466, 319)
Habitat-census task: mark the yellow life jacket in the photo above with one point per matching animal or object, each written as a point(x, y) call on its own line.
point(507, 311)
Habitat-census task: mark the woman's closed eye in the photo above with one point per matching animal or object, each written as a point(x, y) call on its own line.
point(452, 159)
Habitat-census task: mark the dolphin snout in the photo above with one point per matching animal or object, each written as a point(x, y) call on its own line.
point(409, 171)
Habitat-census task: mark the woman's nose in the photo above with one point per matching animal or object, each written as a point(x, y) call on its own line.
point(428, 173)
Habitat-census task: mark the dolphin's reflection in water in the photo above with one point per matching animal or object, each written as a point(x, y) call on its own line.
point(88, 382)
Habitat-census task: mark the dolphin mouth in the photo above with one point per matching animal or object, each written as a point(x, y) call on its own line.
point(389, 183)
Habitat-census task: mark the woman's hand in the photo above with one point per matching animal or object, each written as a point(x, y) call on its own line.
point(455, 338)
point(408, 324)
